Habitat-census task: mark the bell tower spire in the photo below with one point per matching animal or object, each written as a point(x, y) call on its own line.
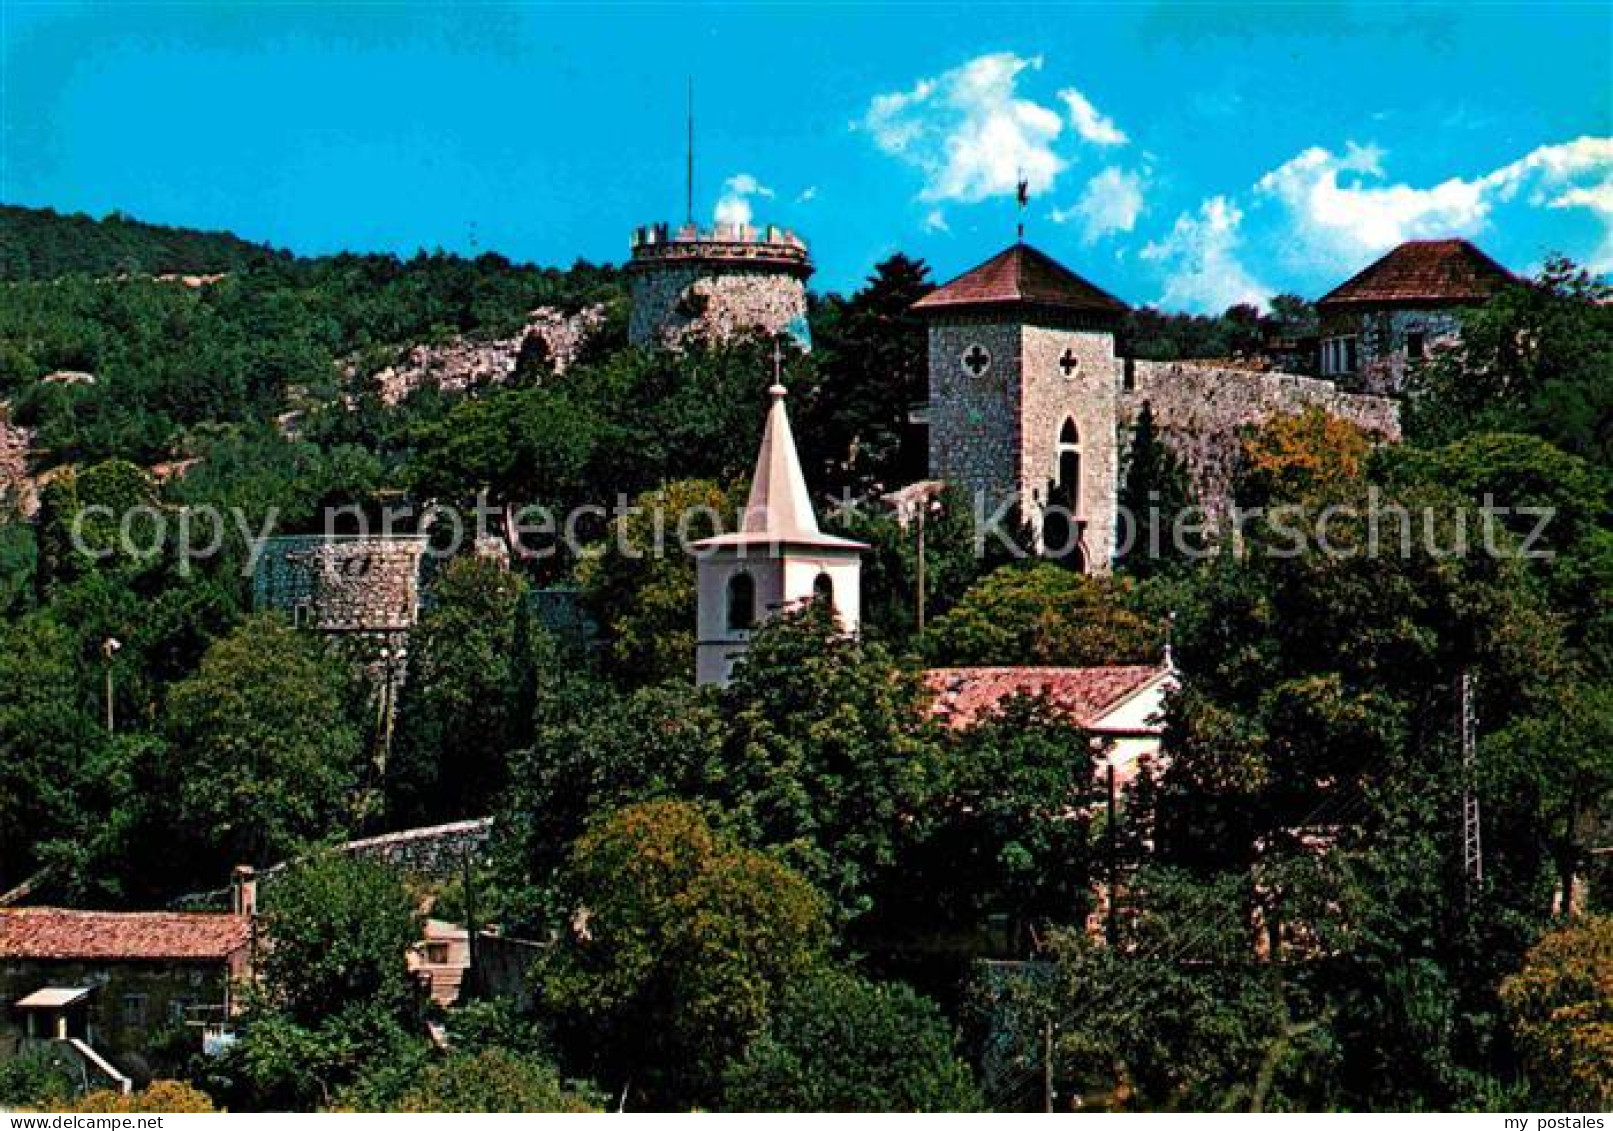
point(778, 559)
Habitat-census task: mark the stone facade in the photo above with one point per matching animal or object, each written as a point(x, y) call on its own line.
point(1371, 350)
point(1019, 407)
point(469, 363)
point(342, 584)
point(1201, 411)
point(714, 286)
point(1020, 426)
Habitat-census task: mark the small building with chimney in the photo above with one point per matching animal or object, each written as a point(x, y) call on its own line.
point(105, 989)
point(777, 560)
point(1378, 323)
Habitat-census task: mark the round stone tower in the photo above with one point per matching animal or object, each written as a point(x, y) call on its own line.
point(716, 283)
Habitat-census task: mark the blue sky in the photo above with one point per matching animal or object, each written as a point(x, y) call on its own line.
point(1189, 155)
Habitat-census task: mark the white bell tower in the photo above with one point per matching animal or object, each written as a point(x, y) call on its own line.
point(778, 559)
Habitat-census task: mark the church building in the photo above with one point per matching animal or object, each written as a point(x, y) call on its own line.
point(777, 560)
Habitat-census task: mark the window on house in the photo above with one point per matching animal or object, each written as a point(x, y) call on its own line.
point(1351, 361)
point(179, 1008)
point(741, 601)
point(134, 1011)
point(1415, 345)
point(437, 953)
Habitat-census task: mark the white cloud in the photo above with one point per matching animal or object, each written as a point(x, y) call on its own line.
point(807, 195)
point(1200, 254)
point(1091, 125)
point(969, 131)
point(1342, 208)
point(936, 221)
point(1111, 203)
point(734, 206)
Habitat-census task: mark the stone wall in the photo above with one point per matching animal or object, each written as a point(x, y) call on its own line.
point(467, 363)
point(1201, 411)
point(435, 851)
point(342, 584)
point(681, 300)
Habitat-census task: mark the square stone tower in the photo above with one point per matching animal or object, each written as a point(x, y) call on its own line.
point(1024, 387)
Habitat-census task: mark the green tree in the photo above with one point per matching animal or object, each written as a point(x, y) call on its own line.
point(459, 715)
point(1535, 358)
point(1560, 1006)
point(678, 946)
point(1154, 492)
point(265, 754)
point(1040, 613)
point(493, 1080)
point(838, 1042)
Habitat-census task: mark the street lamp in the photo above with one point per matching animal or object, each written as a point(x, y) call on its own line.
point(110, 647)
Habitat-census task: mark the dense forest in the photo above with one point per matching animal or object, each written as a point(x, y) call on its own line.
point(778, 895)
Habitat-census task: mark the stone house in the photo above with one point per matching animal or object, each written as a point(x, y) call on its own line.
point(109, 987)
point(1388, 316)
point(1031, 404)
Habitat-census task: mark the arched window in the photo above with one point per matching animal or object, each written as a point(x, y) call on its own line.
point(1067, 486)
point(823, 590)
point(1061, 526)
point(741, 601)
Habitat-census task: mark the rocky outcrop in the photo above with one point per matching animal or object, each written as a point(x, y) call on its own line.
point(17, 487)
point(549, 343)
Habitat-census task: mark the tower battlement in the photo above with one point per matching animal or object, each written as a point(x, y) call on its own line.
point(715, 284)
point(739, 243)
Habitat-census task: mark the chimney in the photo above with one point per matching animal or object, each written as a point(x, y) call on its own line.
point(244, 891)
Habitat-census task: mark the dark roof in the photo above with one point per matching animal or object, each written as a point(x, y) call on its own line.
point(1083, 695)
point(54, 933)
point(1021, 276)
point(1424, 271)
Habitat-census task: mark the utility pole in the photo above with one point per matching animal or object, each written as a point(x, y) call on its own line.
point(110, 648)
point(923, 507)
point(1112, 919)
point(688, 184)
point(1047, 1066)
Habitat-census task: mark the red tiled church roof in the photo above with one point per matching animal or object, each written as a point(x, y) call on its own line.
point(54, 933)
point(964, 695)
point(1021, 276)
point(1424, 271)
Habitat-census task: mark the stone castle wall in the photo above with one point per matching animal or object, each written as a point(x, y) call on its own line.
point(17, 488)
point(342, 584)
point(1201, 411)
point(681, 300)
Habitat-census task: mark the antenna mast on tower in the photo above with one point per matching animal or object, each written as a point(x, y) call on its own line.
point(688, 215)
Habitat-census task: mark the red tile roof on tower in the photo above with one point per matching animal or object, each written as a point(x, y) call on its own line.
point(1424, 272)
point(54, 933)
point(1021, 276)
point(964, 695)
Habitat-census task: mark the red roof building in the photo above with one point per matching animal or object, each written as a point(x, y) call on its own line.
point(1022, 277)
point(49, 933)
point(1380, 323)
point(1422, 273)
point(1121, 706)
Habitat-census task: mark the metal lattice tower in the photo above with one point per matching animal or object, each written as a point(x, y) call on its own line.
point(1472, 848)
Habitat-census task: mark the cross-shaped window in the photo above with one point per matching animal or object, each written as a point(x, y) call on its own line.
point(1069, 363)
point(976, 360)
